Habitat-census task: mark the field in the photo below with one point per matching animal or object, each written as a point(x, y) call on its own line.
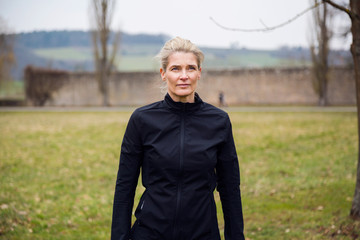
point(12, 90)
point(58, 170)
point(141, 57)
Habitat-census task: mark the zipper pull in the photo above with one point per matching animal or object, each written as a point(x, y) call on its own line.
point(142, 205)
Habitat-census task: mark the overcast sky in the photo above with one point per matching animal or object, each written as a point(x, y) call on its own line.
point(187, 18)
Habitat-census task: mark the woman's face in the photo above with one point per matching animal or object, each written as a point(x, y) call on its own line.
point(181, 76)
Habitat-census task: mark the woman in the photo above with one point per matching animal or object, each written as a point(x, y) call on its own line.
point(184, 148)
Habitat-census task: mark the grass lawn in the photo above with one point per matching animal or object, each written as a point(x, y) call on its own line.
point(58, 170)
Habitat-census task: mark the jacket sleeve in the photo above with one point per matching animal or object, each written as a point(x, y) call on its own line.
point(228, 186)
point(127, 178)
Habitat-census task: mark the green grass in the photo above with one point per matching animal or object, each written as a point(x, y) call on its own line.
point(250, 60)
point(138, 60)
point(137, 63)
point(141, 57)
point(58, 170)
point(12, 90)
point(65, 53)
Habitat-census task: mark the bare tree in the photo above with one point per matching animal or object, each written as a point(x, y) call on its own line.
point(104, 59)
point(7, 56)
point(320, 50)
point(353, 12)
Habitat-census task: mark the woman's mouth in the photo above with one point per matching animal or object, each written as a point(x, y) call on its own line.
point(183, 85)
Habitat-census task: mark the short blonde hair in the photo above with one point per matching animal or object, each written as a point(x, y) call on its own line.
point(179, 44)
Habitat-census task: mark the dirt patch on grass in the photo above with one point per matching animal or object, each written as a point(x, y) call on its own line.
point(350, 230)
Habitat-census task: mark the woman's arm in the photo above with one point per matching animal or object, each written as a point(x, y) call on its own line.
point(228, 185)
point(129, 168)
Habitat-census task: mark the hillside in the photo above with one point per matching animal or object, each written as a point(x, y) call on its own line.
point(72, 51)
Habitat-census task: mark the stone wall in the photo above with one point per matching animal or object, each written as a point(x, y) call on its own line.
point(274, 86)
point(271, 86)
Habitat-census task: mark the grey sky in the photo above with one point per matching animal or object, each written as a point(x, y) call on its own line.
point(186, 18)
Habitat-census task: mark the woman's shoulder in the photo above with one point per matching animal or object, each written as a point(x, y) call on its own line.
point(212, 110)
point(152, 107)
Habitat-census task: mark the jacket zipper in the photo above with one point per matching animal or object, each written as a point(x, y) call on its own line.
point(179, 185)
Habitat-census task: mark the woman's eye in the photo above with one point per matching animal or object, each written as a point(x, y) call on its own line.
point(192, 68)
point(174, 69)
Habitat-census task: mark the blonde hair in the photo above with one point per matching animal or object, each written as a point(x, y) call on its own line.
point(179, 44)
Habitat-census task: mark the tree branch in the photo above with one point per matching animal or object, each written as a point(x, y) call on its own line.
point(341, 8)
point(266, 29)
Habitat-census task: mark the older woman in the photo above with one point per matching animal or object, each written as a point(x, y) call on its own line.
point(185, 149)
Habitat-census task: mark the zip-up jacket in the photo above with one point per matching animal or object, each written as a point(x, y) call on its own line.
point(184, 151)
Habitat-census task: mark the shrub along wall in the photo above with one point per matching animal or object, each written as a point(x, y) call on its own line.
point(41, 84)
point(270, 86)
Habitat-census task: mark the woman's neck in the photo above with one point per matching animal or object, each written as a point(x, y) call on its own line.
point(184, 99)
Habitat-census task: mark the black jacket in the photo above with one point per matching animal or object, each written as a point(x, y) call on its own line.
point(185, 150)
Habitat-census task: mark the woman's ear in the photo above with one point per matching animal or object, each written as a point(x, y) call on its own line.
point(199, 73)
point(162, 73)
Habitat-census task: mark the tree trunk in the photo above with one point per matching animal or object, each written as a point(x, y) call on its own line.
point(319, 57)
point(324, 52)
point(103, 10)
point(355, 51)
point(104, 83)
point(323, 92)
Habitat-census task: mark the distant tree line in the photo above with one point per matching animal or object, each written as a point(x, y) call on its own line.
point(50, 39)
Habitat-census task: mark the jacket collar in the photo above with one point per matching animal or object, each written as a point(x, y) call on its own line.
point(183, 107)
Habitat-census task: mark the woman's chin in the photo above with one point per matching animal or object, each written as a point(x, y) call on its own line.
point(184, 92)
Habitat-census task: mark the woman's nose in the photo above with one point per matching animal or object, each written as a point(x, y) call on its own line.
point(184, 75)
